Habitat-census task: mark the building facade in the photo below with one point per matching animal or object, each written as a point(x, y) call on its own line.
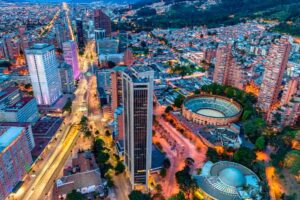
point(275, 66)
point(24, 110)
point(71, 57)
point(66, 78)
point(15, 158)
point(227, 69)
point(43, 70)
point(102, 21)
point(138, 111)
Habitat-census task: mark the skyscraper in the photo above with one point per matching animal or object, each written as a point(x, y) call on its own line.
point(71, 57)
point(66, 78)
point(102, 21)
point(274, 69)
point(116, 101)
point(43, 70)
point(227, 70)
point(138, 110)
point(80, 34)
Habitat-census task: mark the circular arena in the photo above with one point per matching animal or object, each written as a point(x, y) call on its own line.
point(211, 110)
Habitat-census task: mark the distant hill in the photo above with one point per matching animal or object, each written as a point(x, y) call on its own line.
point(185, 13)
point(72, 1)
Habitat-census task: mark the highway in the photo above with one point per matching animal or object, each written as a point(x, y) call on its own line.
point(48, 169)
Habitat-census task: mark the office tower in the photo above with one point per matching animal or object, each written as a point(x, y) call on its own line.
point(66, 78)
point(102, 21)
point(15, 158)
point(43, 70)
point(227, 69)
point(99, 34)
point(80, 33)
point(275, 66)
point(138, 110)
point(61, 34)
point(24, 110)
point(123, 38)
point(116, 101)
point(71, 57)
point(9, 96)
point(28, 131)
point(107, 46)
point(103, 79)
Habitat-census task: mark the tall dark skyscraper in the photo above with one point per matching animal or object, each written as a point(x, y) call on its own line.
point(102, 21)
point(138, 112)
point(80, 35)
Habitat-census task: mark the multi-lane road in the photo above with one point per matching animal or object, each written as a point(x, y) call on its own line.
point(34, 188)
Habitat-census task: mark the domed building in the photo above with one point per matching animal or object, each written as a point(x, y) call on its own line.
point(227, 181)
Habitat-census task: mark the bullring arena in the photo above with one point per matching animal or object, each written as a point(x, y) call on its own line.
point(211, 110)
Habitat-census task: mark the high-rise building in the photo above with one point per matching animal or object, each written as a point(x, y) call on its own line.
point(227, 69)
point(275, 66)
point(66, 78)
point(99, 34)
point(43, 70)
point(102, 21)
point(138, 111)
point(103, 79)
point(80, 33)
point(15, 158)
point(71, 57)
point(116, 101)
point(24, 110)
point(107, 46)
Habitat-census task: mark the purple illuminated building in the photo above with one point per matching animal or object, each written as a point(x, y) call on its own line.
point(71, 57)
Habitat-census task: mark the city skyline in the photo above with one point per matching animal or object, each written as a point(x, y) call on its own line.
point(140, 100)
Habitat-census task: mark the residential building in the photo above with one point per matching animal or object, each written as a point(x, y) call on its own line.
point(28, 131)
point(43, 70)
point(227, 69)
point(138, 112)
point(15, 158)
point(276, 63)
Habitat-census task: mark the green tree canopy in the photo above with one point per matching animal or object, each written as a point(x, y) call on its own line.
point(138, 195)
point(74, 195)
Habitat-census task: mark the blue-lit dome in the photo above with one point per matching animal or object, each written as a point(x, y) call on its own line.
point(232, 176)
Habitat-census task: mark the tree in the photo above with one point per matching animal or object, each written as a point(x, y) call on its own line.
point(120, 168)
point(292, 161)
point(179, 100)
point(138, 195)
point(107, 133)
point(178, 196)
point(102, 157)
point(168, 109)
point(260, 143)
point(167, 163)
point(212, 154)
point(244, 156)
point(163, 172)
point(74, 195)
point(185, 181)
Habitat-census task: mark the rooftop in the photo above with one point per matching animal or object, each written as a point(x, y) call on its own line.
point(8, 135)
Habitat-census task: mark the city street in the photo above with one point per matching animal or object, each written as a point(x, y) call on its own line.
point(47, 169)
